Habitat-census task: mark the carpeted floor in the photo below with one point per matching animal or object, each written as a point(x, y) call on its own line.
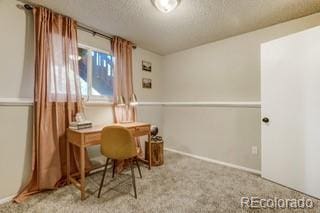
point(183, 184)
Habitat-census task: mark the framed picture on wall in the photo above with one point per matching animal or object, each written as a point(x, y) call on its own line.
point(147, 83)
point(146, 66)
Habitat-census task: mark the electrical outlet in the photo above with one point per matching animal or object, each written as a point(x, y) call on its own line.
point(254, 150)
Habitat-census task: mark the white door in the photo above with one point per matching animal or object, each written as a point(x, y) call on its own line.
point(290, 98)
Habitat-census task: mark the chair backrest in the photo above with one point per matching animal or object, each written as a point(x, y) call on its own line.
point(117, 143)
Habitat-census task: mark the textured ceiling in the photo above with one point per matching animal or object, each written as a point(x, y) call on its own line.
point(193, 23)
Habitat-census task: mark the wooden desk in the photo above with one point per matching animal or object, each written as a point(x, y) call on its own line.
point(90, 137)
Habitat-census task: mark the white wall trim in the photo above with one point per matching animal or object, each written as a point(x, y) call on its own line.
point(215, 161)
point(150, 103)
point(98, 103)
point(7, 199)
point(16, 101)
point(244, 104)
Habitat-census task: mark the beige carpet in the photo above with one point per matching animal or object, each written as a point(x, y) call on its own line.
point(183, 184)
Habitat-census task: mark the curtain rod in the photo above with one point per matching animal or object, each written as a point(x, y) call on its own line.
point(83, 27)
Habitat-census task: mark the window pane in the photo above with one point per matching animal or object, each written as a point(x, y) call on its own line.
point(83, 66)
point(102, 74)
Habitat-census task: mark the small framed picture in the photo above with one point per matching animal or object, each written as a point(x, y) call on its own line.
point(146, 66)
point(146, 83)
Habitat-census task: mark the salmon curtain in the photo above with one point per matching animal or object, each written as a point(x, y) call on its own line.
point(57, 99)
point(123, 86)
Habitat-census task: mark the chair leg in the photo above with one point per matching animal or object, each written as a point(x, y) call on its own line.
point(133, 180)
point(104, 174)
point(114, 168)
point(137, 162)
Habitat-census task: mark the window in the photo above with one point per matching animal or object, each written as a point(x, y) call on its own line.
point(96, 73)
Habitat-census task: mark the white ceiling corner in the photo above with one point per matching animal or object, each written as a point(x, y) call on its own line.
point(193, 23)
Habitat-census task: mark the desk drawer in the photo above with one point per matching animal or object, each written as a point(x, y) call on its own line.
point(93, 137)
point(139, 131)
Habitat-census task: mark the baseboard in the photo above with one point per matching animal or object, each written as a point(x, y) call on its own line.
point(7, 199)
point(215, 161)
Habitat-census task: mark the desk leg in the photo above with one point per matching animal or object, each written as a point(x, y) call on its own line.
point(149, 147)
point(68, 162)
point(82, 172)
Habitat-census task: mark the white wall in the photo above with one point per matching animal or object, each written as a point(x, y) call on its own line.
point(227, 70)
point(16, 83)
point(16, 148)
point(147, 95)
point(146, 113)
point(16, 63)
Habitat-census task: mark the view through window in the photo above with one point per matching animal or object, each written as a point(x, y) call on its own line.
point(96, 73)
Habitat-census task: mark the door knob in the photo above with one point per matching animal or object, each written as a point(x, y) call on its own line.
point(265, 120)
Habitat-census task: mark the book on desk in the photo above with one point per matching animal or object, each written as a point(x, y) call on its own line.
point(80, 125)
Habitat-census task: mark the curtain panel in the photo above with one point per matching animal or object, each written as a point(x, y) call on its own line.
point(123, 86)
point(57, 99)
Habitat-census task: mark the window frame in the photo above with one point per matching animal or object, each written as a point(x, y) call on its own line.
point(89, 97)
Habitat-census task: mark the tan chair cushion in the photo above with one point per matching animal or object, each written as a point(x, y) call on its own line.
point(117, 143)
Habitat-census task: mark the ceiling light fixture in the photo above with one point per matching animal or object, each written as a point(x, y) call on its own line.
point(165, 6)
